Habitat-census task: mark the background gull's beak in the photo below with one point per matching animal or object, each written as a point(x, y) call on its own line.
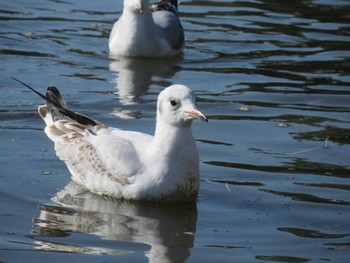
point(140, 7)
point(197, 115)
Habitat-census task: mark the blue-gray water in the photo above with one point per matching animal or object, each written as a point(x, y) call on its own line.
point(272, 76)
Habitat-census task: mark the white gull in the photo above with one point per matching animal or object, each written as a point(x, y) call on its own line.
point(146, 31)
point(128, 164)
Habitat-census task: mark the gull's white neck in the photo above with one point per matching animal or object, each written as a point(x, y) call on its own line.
point(171, 139)
point(138, 25)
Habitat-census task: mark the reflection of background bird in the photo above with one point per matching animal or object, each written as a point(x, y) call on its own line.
point(168, 228)
point(135, 75)
point(147, 31)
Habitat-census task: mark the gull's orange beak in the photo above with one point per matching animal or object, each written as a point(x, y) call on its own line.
point(197, 115)
point(139, 6)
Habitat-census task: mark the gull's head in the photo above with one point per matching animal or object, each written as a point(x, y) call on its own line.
point(136, 6)
point(177, 106)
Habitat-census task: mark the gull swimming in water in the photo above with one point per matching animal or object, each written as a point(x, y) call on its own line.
point(128, 164)
point(147, 31)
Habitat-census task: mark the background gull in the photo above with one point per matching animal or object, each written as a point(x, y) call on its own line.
point(128, 164)
point(147, 31)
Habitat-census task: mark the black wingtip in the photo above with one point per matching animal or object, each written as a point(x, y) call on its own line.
point(54, 98)
point(29, 87)
point(166, 5)
point(46, 98)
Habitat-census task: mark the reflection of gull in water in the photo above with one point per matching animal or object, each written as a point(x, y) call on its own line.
point(167, 228)
point(145, 32)
point(134, 75)
point(59, 247)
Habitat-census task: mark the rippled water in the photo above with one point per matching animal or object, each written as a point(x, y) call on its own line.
point(272, 76)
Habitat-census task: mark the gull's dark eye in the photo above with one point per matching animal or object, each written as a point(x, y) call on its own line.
point(173, 102)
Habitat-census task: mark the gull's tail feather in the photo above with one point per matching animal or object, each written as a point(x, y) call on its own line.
point(59, 109)
point(56, 107)
point(54, 96)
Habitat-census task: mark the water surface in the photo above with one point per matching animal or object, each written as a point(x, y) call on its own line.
point(272, 76)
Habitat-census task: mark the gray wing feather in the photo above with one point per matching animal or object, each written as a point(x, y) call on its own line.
point(170, 28)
